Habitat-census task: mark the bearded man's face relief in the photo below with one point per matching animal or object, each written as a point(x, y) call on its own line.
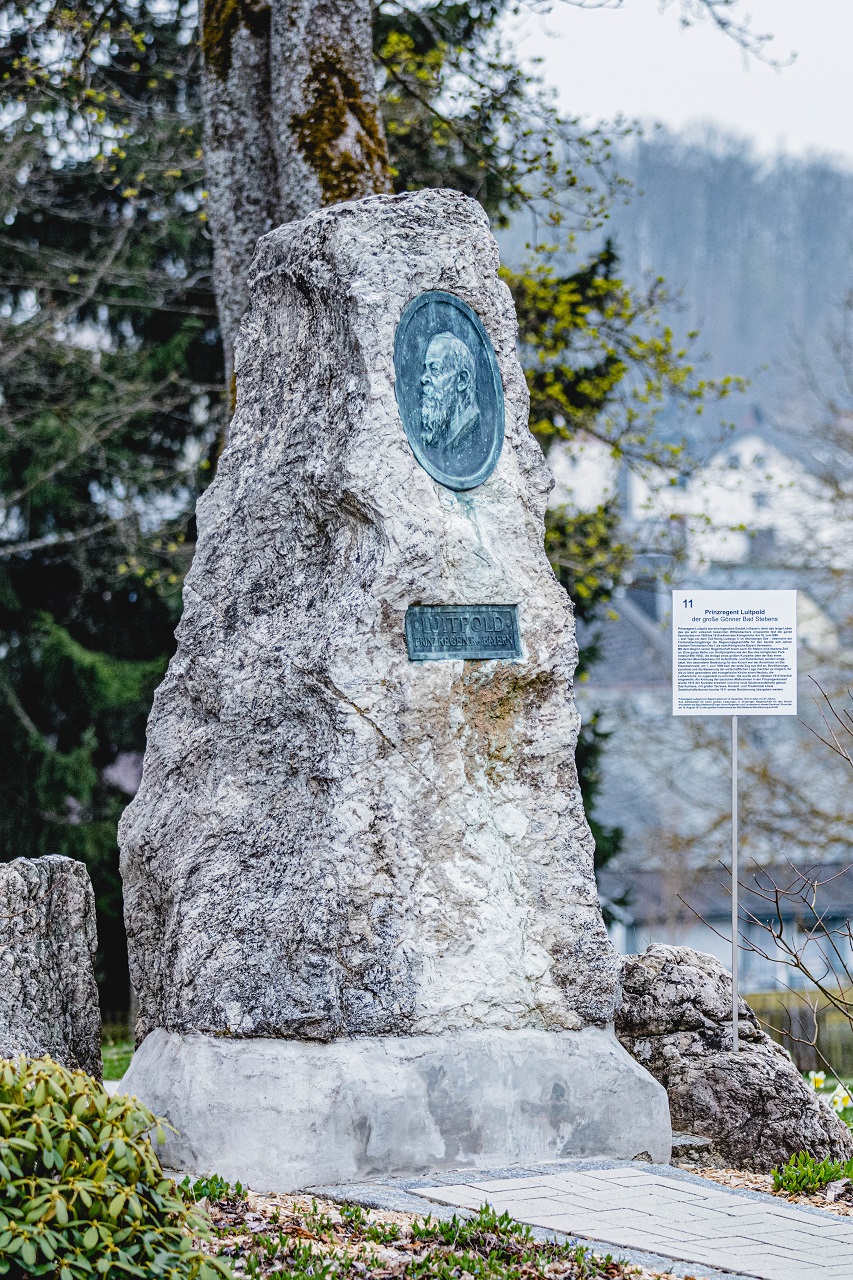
point(449, 409)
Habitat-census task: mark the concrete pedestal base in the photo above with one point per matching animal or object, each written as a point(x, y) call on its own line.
point(286, 1114)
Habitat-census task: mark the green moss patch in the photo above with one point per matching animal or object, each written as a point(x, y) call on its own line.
point(334, 100)
point(221, 19)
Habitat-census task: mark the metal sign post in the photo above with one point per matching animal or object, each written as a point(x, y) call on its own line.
point(735, 931)
point(734, 653)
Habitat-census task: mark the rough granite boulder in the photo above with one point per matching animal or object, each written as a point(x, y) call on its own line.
point(753, 1105)
point(48, 996)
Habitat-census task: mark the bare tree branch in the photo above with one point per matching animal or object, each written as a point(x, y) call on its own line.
point(56, 540)
point(724, 16)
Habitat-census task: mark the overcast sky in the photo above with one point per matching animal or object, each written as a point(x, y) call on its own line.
point(640, 62)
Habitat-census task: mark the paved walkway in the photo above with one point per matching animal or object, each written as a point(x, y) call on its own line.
point(665, 1212)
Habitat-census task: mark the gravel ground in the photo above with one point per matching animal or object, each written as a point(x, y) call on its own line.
point(764, 1182)
point(266, 1235)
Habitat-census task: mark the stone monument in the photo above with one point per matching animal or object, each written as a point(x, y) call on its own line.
point(359, 889)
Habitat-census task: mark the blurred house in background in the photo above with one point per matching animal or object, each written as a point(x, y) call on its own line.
point(756, 513)
point(697, 913)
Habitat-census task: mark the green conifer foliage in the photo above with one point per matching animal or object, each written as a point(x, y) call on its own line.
point(110, 373)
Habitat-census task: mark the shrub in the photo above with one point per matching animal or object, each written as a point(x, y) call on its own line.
point(211, 1186)
point(803, 1175)
point(82, 1192)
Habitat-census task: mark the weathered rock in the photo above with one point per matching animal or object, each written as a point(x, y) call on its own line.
point(330, 840)
point(689, 1148)
point(753, 1105)
point(48, 996)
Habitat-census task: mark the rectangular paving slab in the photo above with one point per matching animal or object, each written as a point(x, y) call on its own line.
point(658, 1211)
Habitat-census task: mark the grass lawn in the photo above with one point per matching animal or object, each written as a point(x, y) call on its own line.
point(116, 1050)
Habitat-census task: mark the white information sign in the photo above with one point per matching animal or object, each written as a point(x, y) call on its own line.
point(734, 653)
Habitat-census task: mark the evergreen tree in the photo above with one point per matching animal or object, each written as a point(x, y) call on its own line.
point(111, 372)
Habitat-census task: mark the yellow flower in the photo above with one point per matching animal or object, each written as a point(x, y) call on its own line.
point(817, 1079)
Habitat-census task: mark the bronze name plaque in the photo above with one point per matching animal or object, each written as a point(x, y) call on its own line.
point(440, 631)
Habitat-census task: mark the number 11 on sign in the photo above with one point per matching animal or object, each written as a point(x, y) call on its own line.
point(734, 653)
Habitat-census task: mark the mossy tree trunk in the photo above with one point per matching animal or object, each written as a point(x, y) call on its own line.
point(292, 122)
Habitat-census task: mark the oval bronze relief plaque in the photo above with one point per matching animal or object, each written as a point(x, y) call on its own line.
point(449, 390)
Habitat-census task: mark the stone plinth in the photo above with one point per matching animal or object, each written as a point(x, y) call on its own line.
point(48, 996)
point(332, 842)
point(298, 1113)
